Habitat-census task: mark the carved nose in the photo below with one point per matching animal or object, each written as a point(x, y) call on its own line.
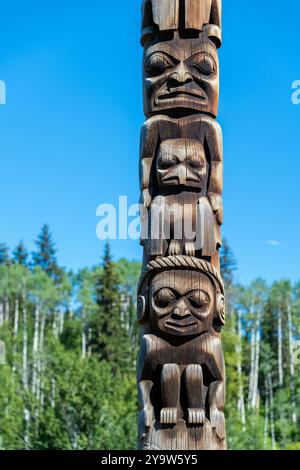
point(182, 174)
point(180, 76)
point(181, 310)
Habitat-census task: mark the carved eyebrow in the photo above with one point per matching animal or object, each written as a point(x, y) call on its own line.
point(174, 292)
point(205, 53)
point(172, 54)
point(198, 291)
point(168, 155)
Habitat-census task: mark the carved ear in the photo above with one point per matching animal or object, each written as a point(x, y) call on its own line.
point(142, 310)
point(220, 316)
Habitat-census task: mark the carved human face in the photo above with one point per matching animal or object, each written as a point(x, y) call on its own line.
point(182, 303)
point(181, 74)
point(181, 162)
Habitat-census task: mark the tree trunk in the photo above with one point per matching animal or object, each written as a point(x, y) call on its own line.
point(6, 308)
point(272, 419)
point(61, 321)
point(1, 313)
point(16, 319)
point(25, 369)
point(241, 399)
point(16, 329)
point(292, 365)
point(35, 350)
point(255, 395)
point(25, 346)
point(54, 325)
point(89, 350)
point(266, 426)
point(280, 366)
point(53, 392)
point(40, 359)
point(252, 364)
point(83, 337)
point(27, 427)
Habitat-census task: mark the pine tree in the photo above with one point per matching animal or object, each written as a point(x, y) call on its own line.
point(20, 254)
point(4, 254)
point(45, 256)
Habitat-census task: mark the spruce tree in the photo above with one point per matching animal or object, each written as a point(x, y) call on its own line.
point(20, 254)
point(45, 256)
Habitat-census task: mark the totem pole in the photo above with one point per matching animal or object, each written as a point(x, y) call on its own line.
point(181, 305)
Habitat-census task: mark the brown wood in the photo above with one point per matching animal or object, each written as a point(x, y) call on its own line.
point(181, 74)
point(181, 304)
point(185, 153)
point(199, 15)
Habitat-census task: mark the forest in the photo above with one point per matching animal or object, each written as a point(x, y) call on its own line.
point(71, 340)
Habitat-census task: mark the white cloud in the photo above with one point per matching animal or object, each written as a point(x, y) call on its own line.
point(273, 242)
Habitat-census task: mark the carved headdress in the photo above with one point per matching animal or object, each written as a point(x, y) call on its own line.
point(178, 263)
point(173, 15)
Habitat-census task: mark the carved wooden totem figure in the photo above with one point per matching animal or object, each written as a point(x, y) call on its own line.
point(181, 304)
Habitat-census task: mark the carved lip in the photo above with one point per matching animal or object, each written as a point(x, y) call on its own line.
point(180, 94)
point(175, 179)
point(179, 326)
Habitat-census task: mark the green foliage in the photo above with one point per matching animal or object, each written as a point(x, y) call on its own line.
point(72, 341)
point(79, 400)
point(110, 339)
point(4, 254)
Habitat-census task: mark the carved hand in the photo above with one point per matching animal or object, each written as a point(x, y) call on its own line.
point(175, 247)
point(196, 416)
point(169, 416)
point(190, 248)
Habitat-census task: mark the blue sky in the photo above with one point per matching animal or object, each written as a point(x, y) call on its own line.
point(70, 128)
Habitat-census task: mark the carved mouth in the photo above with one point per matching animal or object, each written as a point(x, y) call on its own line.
point(178, 326)
point(175, 179)
point(180, 94)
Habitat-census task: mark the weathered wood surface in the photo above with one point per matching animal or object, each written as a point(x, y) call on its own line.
point(180, 76)
point(164, 16)
point(181, 304)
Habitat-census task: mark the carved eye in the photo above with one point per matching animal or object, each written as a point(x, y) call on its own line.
point(157, 64)
point(198, 298)
point(167, 161)
point(195, 163)
point(164, 298)
point(205, 65)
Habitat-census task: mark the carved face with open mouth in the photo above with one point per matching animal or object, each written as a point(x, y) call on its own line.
point(182, 303)
point(181, 74)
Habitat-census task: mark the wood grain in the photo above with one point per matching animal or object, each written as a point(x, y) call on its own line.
point(181, 298)
point(179, 75)
point(160, 16)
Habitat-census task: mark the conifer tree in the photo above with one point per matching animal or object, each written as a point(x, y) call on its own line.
point(228, 263)
point(45, 256)
point(20, 254)
point(4, 254)
point(110, 338)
